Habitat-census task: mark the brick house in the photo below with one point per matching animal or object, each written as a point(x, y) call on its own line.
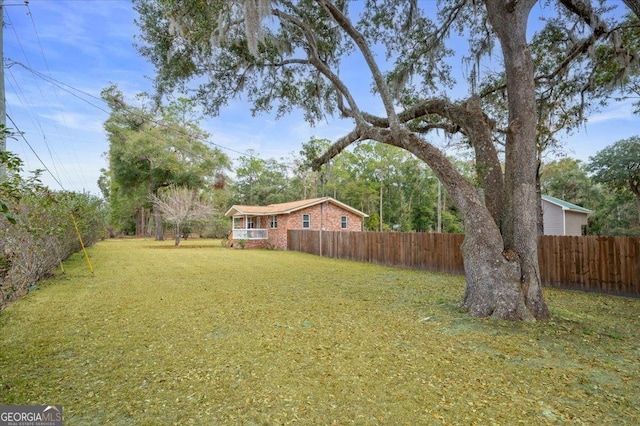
point(267, 226)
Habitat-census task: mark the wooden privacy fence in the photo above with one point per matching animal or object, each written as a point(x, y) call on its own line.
point(435, 252)
point(599, 264)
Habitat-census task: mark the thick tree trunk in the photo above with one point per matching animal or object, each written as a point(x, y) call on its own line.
point(494, 275)
point(493, 279)
point(539, 218)
point(158, 219)
point(480, 131)
point(509, 20)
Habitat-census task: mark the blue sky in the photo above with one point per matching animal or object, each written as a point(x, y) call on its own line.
point(59, 55)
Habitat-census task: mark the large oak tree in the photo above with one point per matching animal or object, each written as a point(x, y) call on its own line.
point(286, 54)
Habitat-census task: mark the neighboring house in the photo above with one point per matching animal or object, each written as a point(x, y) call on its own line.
point(267, 226)
point(562, 218)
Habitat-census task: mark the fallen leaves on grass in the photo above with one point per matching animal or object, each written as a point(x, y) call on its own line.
point(220, 336)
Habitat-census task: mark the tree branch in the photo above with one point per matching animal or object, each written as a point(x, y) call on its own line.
point(315, 61)
point(584, 11)
point(286, 62)
point(447, 127)
point(634, 5)
point(337, 147)
point(577, 50)
point(600, 30)
point(361, 42)
point(457, 113)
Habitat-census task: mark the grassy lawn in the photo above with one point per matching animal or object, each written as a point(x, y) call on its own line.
point(201, 334)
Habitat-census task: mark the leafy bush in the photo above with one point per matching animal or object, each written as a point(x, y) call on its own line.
point(217, 227)
point(38, 232)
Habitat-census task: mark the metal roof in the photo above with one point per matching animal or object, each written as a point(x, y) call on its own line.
point(565, 204)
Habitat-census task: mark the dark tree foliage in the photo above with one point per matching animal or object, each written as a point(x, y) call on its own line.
point(618, 167)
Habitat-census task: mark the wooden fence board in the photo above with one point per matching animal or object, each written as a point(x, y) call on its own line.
point(599, 264)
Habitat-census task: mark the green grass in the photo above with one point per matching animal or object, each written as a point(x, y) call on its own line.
point(201, 334)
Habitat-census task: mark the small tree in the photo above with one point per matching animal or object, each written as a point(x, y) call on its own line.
point(181, 205)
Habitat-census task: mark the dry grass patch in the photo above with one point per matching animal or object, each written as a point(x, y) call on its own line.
point(222, 336)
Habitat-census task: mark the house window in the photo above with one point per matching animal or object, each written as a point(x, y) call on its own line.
point(306, 221)
point(274, 222)
point(343, 222)
point(250, 223)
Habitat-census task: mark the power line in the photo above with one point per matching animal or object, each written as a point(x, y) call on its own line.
point(133, 112)
point(75, 92)
point(64, 119)
point(15, 126)
point(24, 3)
point(3, 107)
point(36, 83)
point(21, 96)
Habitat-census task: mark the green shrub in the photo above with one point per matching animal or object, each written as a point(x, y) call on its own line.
point(41, 233)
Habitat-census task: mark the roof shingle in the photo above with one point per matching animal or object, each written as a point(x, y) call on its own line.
point(286, 208)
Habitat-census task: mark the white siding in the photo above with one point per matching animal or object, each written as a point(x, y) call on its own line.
point(552, 219)
point(574, 222)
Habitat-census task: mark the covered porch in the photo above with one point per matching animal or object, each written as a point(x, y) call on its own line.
point(247, 227)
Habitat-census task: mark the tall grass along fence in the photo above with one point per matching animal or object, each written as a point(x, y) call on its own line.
point(599, 264)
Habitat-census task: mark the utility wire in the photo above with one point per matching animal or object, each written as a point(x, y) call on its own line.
point(15, 126)
point(36, 83)
point(64, 118)
point(72, 90)
point(36, 123)
point(75, 92)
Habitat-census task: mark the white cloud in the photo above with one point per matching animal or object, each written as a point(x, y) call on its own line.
point(618, 111)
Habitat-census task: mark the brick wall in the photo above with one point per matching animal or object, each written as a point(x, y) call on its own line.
point(278, 236)
point(332, 219)
point(329, 217)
